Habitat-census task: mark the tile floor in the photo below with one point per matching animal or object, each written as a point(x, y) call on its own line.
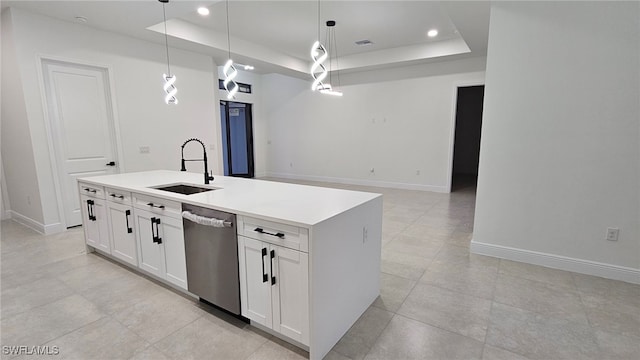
point(437, 301)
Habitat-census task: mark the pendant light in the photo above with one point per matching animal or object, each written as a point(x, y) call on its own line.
point(229, 70)
point(169, 80)
point(333, 48)
point(319, 55)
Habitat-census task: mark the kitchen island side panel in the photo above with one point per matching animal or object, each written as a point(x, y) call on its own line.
point(344, 272)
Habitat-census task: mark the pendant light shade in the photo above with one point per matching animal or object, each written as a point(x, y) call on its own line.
point(319, 55)
point(169, 80)
point(318, 71)
point(326, 88)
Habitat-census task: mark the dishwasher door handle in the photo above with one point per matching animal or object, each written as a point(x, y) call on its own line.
point(207, 221)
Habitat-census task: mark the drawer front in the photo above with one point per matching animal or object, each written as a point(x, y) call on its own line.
point(91, 190)
point(289, 236)
point(118, 196)
point(158, 205)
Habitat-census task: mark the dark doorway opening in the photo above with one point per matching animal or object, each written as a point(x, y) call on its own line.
point(237, 139)
point(466, 148)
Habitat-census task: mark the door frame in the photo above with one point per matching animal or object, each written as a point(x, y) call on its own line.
point(452, 133)
point(54, 155)
point(250, 146)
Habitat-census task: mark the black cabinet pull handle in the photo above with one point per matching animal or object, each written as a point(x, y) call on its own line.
point(156, 206)
point(153, 230)
point(111, 163)
point(158, 238)
point(121, 197)
point(261, 231)
point(92, 216)
point(126, 216)
point(273, 278)
point(90, 190)
point(265, 277)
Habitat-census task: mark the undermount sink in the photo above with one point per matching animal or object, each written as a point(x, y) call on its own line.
point(184, 189)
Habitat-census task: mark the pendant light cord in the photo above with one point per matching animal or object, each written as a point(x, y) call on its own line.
point(166, 39)
point(318, 20)
point(228, 32)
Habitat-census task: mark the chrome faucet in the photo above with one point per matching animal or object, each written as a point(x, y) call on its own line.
point(207, 177)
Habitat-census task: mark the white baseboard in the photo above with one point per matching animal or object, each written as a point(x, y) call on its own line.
point(588, 267)
point(362, 182)
point(47, 229)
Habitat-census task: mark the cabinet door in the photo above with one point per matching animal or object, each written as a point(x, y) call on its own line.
point(255, 280)
point(91, 228)
point(172, 238)
point(150, 256)
point(290, 293)
point(123, 238)
point(96, 231)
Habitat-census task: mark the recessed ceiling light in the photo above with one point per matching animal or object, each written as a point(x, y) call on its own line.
point(203, 11)
point(432, 33)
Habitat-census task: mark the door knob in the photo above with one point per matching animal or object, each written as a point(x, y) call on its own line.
point(111, 163)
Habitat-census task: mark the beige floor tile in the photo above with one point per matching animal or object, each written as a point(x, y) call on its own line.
point(276, 349)
point(149, 353)
point(618, 291)
point(203, 338)
point(123, 292)
point(95, 275)
point(540, 337)
point(408, 339)
point(402, 270)
point(332, 355)
point(537, 273)
point(102, 339)
point(393, 292)
point(21, 298)
point(609, 314)
point(618, 347)
point(539, 297)
point(45, 323)
point(463, 314)
point(357, 342)
point(471, 280)
point(423, 247)
point(496, 353)
point(158, 316)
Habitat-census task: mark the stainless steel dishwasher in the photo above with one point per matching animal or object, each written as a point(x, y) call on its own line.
point(211, 248)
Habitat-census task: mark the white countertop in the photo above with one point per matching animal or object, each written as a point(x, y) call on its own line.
point(299, 205)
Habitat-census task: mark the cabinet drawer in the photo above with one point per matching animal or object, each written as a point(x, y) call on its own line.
point(158, 205)
point(289, 236)
point(118, 196)
point(91, 190)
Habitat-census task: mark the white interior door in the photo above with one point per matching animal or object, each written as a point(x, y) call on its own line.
point(82, 128)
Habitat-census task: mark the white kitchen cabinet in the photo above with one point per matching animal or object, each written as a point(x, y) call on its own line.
point(274, 287)
point(161, 246)
point(94, 219)
point(121, 231)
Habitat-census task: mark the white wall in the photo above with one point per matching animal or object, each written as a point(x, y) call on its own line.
point(19, 172)
point(142, 116)
point(560, 153)
point(398, 128)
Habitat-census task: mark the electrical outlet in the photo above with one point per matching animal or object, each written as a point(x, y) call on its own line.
point(144, 150)
point(417, 172)
point(290, 164)
point(612, 234)
point(373, 170)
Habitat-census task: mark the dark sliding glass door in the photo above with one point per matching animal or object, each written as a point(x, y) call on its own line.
point(237, 139)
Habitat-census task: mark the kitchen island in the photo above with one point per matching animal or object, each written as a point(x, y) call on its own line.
point(328, 240)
